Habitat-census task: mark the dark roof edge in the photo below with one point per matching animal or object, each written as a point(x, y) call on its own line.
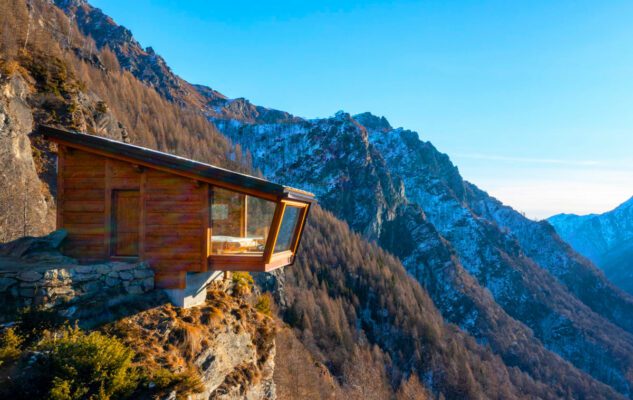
point(174, 162)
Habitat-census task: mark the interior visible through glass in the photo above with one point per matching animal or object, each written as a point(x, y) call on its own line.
point(287, 229)
point(239, 222)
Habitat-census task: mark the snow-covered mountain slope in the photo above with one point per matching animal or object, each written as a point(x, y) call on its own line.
point(490, 270)
point(606, 239)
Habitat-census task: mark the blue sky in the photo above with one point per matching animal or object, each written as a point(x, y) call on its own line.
point(532, 100)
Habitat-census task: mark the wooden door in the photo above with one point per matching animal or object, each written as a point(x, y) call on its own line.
point(126, 220)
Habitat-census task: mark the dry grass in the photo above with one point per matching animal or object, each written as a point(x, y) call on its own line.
point(168, 339)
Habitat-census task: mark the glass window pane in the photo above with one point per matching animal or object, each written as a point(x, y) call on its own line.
point(239, 223)
point(287, 229)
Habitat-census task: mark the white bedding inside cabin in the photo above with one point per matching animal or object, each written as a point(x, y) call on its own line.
point(242, 241)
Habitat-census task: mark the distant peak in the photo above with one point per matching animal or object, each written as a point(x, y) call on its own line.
point(340, 114)
point(70, 3)
point(373, 122)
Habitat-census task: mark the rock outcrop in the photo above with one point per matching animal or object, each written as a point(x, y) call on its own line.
point(38, 249)
point(226, 343)
point(26, 207)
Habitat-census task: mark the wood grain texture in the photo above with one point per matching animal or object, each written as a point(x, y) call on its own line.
point(60, 186)
point(143, 214)
point(205, 231)
point(107, 215)
point(83, 203)
point(126, 222)
point(174, 216)
point(170, 280)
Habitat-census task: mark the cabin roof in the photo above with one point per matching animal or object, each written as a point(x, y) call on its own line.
point(165, 160)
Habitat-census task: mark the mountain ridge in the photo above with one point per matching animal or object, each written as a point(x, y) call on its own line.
point(459, 212)
point(606, 239)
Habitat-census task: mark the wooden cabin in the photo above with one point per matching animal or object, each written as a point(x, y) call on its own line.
point(124, 202)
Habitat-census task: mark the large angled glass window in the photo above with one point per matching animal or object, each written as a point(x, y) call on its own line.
point(240, 223)
point(288, 228)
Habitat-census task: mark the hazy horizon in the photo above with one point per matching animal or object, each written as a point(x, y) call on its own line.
point(530, 101)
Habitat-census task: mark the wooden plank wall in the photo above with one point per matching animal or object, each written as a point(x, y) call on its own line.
point(174, 214)
point(175, 210)
point(120, 176)
point(82, 203)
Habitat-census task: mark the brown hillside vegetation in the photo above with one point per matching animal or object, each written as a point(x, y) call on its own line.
point(346, 295)
point(65, 66)
point(298, 375)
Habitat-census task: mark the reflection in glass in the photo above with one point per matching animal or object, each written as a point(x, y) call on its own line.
point(239, 223)
point(287, 229)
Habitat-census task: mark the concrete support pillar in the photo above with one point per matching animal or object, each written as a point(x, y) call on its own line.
point(195, 291)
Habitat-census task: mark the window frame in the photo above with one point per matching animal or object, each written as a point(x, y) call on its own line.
point(268, 260)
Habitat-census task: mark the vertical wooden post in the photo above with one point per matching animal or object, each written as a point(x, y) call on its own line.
point(205, 215)
point(107, 214)
point(274, 231)
point(143, 215)
point(61, 150)
point(244, 215)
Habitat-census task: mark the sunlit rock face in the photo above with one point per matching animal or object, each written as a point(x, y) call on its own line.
point(24, 207)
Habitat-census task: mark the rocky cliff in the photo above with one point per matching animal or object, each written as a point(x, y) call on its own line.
point(26, 206)
point(226, 343)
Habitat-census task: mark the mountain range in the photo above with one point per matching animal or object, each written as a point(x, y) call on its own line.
point(605, 239)
point(406, 268)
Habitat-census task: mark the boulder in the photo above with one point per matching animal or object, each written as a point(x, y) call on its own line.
point(30, 276)
point(38, 249)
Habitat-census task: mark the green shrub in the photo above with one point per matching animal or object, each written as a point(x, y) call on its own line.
point(263, 304)
point(10, 343)
point(77, 365)
point(242, 283)
point(186, 382)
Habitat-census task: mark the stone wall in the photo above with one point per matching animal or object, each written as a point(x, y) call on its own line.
point(49, 286)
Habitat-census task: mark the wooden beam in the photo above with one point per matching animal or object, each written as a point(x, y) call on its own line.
point(107, 215)
point(143, 215)
point(205, 233)
point(298, 204)
point(279, 260)
point(61, 150)
point(250, 263)
point(243, 215)
point(299, 230)
point(274, 231)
